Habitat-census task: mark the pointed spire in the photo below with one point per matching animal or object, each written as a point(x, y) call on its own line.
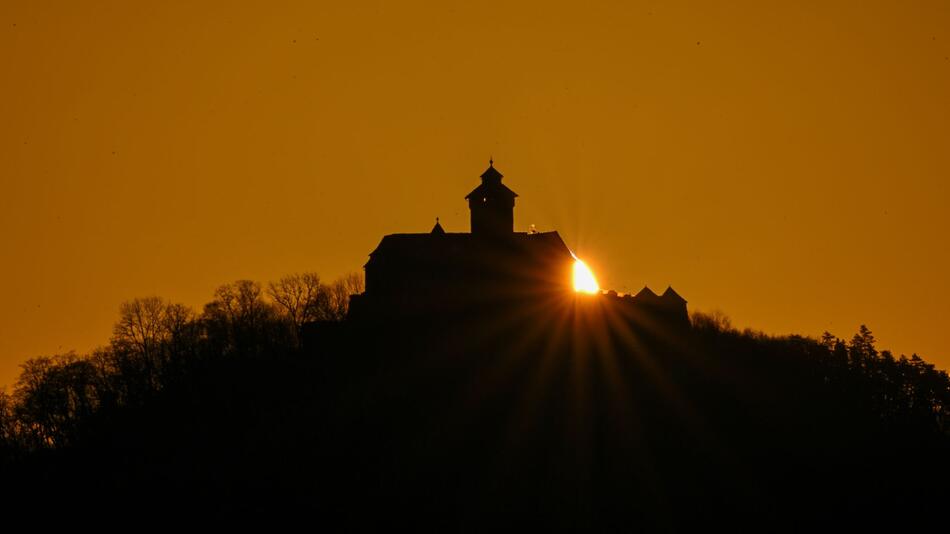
point(491, 173)
point(437, 229)
point(673, 295)
point(646, 293)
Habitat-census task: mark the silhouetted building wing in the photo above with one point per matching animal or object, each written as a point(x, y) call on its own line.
point(442, 269)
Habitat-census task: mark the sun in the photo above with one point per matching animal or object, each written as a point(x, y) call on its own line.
point(584, 281)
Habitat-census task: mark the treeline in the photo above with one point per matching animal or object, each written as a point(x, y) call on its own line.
point(898, 393)
point(566, 414)
point(157, 345)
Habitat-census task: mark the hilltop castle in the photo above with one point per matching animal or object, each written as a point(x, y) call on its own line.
point(440, 271)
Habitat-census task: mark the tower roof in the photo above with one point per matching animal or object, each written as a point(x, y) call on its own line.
point(671, 294)
point(491, 173)
point(645, 293)
point(491, 186)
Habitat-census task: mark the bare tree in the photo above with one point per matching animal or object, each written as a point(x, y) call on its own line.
point(140, 325)
point(337, 302)
point(239, 319)
point(716, 321)
point(8, 426)
point(53, 397)
point(146, 328)
point(298, 298)
point(240, 303)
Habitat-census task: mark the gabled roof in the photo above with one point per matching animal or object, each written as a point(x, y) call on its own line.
point(437, 229)
point(646, 292)
point(673, 295)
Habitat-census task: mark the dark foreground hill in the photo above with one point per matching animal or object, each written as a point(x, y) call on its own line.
point(559, 414)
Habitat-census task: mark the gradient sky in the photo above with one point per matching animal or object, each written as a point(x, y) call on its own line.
point(787, 165)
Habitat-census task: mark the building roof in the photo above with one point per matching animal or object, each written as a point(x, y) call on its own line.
point(646, 293)
point(441, 248)
point(491, 190)
point(673, 295)
point(491, 186)
point(491, 173)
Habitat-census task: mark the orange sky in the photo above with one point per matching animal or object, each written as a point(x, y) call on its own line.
point(787, 165)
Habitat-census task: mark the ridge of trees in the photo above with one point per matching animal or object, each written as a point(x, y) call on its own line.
point(899, 391)
point(267, 393)
point(156, 345)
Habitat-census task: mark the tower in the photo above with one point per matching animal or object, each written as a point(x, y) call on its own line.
point(492, 205)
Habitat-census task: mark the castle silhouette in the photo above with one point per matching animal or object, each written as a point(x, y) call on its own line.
point(444, 272)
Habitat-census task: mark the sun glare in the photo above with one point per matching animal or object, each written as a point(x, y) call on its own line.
point(584, 281)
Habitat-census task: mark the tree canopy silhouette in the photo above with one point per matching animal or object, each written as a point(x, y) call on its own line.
point(552, 413)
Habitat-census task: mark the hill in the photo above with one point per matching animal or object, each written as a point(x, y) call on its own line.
point(563, 413)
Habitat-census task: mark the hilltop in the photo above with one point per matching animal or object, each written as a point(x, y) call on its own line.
point(561, 413)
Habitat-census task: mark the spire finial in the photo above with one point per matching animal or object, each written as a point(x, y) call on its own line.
point(491, 162)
